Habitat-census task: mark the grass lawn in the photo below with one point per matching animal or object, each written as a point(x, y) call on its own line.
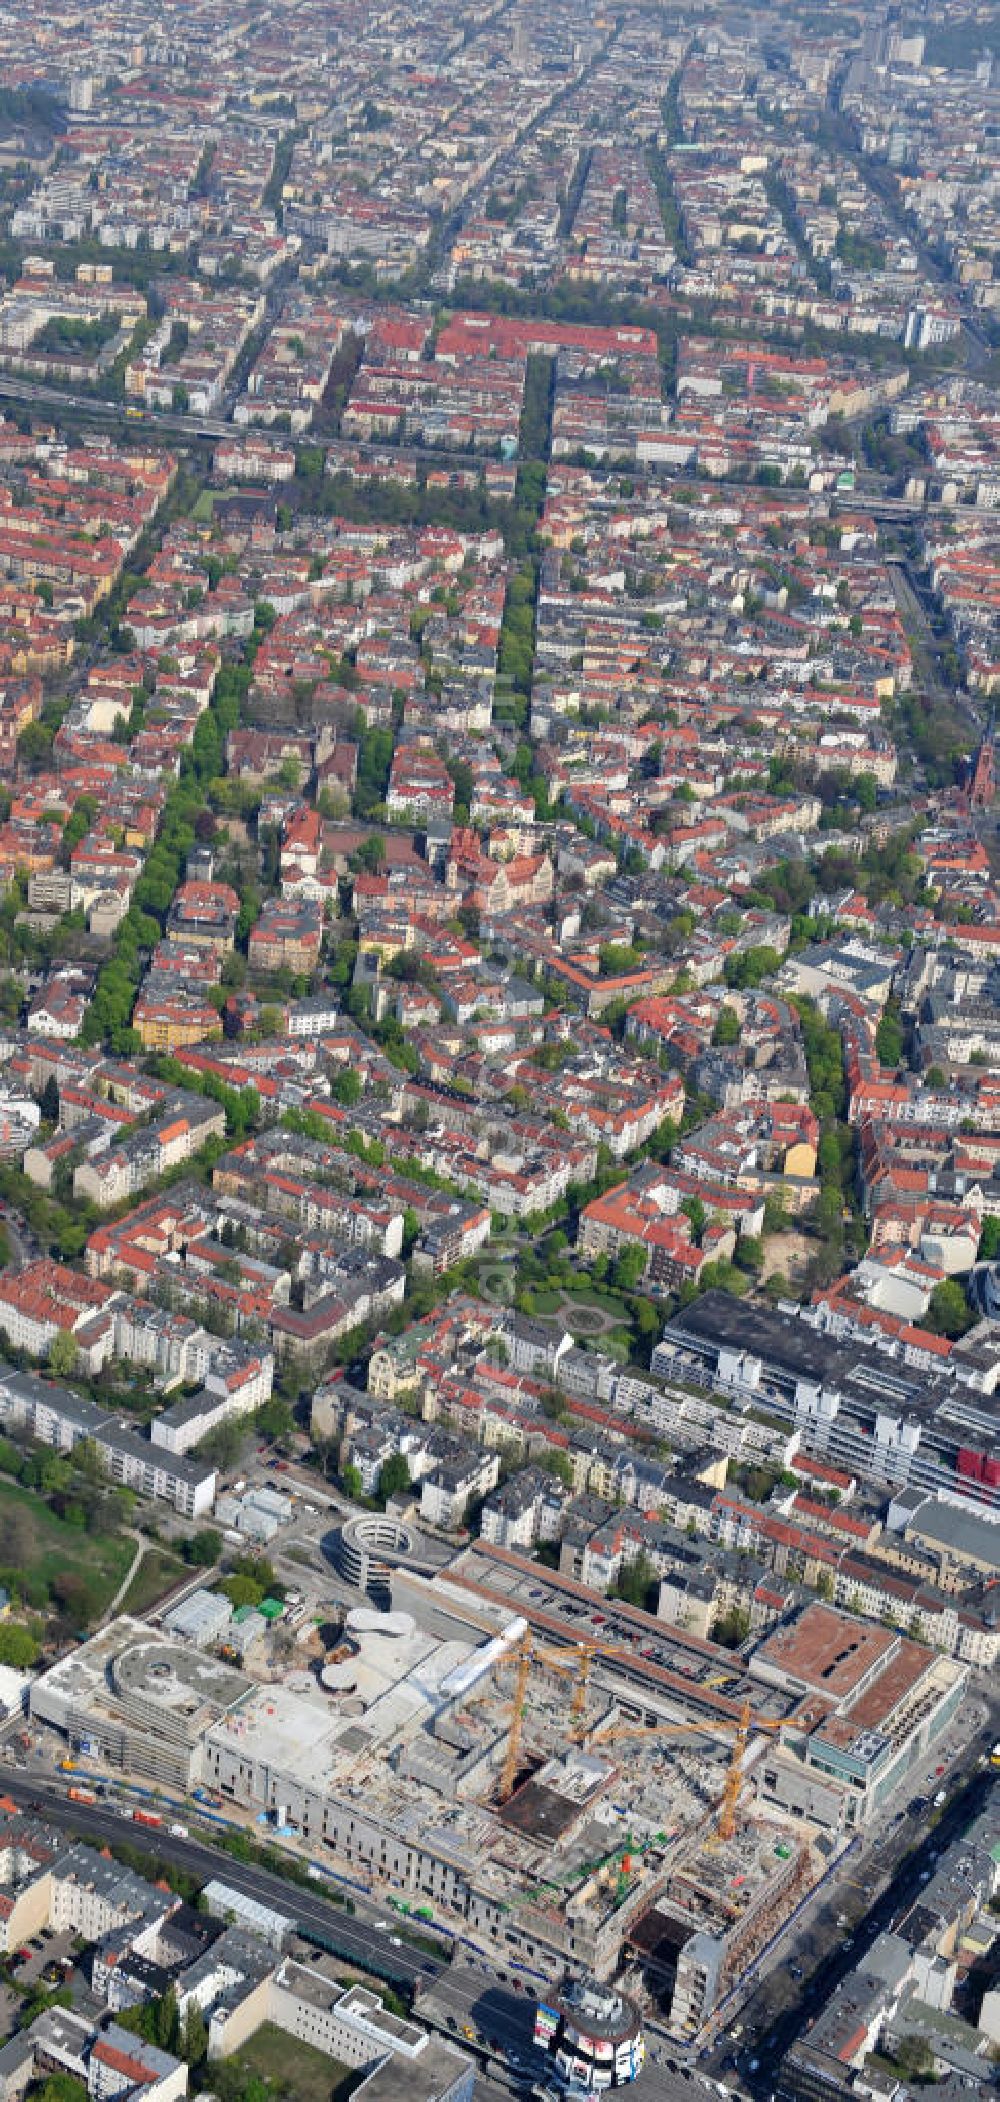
point(293, 2069)
point(493, 1277)
point(204, 509)
point(592, 1295)
point(157, 1573)
point(547, 1302)
point(44, 1547)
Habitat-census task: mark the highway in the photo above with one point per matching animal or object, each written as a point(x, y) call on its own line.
point(503, 2016)
point(352, 1936)
point(172, 424)
point(451, 2000)
point(37, 396)
point(468, 1993)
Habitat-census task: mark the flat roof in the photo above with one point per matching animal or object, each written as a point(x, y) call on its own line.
point(828, 1650)
point(657, 1659)
point(556, 1797)
point(193, 1684)
point(870, 1381)
point(910, 1663)
point(423, 2079)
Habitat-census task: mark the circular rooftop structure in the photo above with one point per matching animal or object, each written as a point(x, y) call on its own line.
point(174, 1691)
point(592, 2033)
point(604, 2012)
point(375, 1530)
point(341, 1677)
point(368, 1548)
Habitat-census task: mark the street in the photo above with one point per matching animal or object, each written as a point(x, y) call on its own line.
point(843, 1922)
point(349, 1934)
point(491, 2012)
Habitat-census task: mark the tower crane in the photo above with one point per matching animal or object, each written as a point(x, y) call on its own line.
point(528, 1653)
point(579, 1659)
point(576, 1658)
point(742, 1726)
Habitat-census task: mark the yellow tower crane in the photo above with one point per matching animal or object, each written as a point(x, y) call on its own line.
point(529, 1653)
point(742, 1725)
point(576, 1658)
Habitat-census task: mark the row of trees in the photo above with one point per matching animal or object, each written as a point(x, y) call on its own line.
point(158, 2022)
point(109, 1016)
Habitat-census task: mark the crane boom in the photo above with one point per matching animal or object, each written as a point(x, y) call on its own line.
point(508, 1773)
point(579, 1658)
point(733, 1787)
point(734, 1776)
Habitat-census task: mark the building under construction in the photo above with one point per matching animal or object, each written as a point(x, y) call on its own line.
point(720, 1905)
point(567, 1789)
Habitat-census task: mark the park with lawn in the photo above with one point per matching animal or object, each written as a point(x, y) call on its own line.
point(273, 2066)
point(53, 1561)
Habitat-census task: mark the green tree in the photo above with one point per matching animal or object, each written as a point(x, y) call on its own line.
point(347, 1088)
point(723, 1276)
point(732, 1628)
point(194, 2038)
point(371, 854)
point(18, 1647)
point(274, 1420)
point(242, 1591)
point(750, 1254)
point(204, 1548)
point(777, 1218)
point(750, 967)
point(223, 1445)
point(914, 2057)
point(889, 1039)
point(629, 1268)
point(352, 1483)
point(989, 1240)
point(64, 1352)
point(638, 1582)
point(261, 1571)
point(949, 1313)
point(394, 1477)
point(34, 747)
point(168, 2026)
point(38, 2002)
point(727, 1028)
point(557, 1463)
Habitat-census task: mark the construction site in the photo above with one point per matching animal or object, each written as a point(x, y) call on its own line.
point(620, 1799)
point(626, 1834)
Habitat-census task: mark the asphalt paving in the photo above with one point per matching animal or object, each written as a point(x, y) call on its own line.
point(350, 1934)
point(773, 2023)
